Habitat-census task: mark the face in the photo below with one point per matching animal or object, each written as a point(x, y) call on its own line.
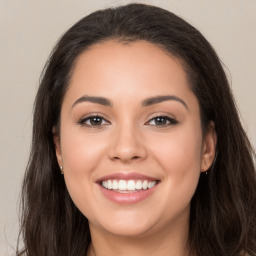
point(130, 143)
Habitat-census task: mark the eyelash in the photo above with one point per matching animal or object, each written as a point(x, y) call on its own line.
point(83, 121)
point(169, 121)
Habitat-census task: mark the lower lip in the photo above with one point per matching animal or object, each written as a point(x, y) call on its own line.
point(127, 198)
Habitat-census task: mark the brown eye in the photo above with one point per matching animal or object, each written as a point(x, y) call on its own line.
point(162, 121)
point(93, 121)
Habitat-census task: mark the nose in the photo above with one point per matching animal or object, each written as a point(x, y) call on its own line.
point(127, 145)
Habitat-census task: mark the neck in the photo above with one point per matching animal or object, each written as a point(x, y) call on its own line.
point(171, 241)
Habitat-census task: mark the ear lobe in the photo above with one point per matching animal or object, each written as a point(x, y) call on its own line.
point(56, 140)
point(209, 147)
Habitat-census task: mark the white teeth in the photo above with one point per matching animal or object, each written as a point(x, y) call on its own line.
point(104, 184)
point(131, 185)
point(109, 184)
point(122, 185)
point(115, 184)
point(145, 184)
point(128, 185)
point(138, 184)
point(151, 184)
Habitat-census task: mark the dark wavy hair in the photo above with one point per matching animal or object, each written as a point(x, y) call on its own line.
point(223, 208)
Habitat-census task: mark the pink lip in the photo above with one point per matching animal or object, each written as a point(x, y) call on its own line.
point(126, 198)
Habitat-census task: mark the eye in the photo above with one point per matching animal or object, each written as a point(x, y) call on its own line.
point(93, 121)
point(162, 121)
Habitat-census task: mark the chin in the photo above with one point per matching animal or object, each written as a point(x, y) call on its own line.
point(125, 230)
point(129, 223)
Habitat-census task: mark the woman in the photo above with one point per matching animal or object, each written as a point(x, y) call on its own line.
point(137, 146)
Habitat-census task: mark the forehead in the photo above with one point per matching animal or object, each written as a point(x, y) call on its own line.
point(137, 69)
point(112, 58)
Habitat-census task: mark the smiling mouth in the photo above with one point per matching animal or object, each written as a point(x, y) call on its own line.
point(128, 186)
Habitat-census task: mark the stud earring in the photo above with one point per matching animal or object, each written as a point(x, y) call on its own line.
point(61, 168)
point(205, 165)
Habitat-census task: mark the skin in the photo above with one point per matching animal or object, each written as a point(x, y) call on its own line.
point(130, 140)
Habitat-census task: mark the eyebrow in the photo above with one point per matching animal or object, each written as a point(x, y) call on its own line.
point(159, 99)
point(99, 100)
point(147, 102)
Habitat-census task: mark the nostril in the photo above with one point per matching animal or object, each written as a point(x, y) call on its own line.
point(126, 158)
point(127, 150)
point(118, 158)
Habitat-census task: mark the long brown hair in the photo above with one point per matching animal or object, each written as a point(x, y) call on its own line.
point(223, 208)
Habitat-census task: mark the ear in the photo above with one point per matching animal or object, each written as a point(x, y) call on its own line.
point(208, 147)
point(56, 140)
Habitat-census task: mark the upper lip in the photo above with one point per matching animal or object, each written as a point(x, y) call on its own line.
point(126, 176)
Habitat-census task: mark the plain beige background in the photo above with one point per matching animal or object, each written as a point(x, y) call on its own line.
point(28, 31)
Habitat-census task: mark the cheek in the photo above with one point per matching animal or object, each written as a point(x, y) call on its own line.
point(181, 147)
point(179, 155)
point(81, 154)
point(80, 151)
